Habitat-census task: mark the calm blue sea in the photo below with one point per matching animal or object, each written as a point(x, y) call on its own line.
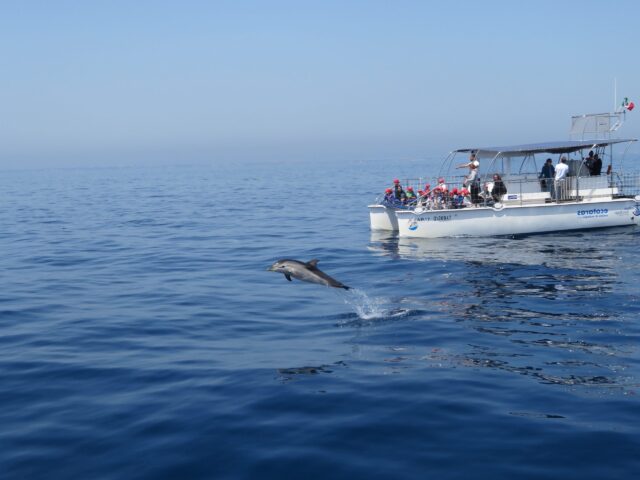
point(141, 336)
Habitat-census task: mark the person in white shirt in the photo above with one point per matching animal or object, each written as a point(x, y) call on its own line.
point(472, 164)
point(561, 174)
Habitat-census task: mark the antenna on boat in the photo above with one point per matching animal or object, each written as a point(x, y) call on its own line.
point(615, 93)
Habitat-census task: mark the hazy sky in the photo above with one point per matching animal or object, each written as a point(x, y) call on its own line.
point(127, 81)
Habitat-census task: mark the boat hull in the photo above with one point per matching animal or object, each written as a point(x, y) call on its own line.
point(382, 218)
point(514, 220)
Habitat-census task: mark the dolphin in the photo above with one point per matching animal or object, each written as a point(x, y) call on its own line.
point(305, 271)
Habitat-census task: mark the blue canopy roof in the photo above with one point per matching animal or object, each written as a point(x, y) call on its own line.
point(547, 147)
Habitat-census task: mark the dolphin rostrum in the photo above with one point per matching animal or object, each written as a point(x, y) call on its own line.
point(307, 272)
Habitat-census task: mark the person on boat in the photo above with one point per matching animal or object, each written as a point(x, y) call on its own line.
point(426, 196)
point(397, 189)
point(472, 183)
point(440, 194)
point(390, 198)
point(596, 166)
point(472, 163)
point(411, 198)
point(561, 175)
point(485, 195)
point(465, 194)
point(457, 199)
point(499, 188)
point(546, 176)
point(472, 176)
point(588, 162)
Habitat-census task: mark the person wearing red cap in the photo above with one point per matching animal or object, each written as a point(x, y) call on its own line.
point(411, 196)
point(388, 193)
point(397, 190)
point(389, 198)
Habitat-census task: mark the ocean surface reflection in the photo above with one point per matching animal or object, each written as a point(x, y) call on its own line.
point(535, 303)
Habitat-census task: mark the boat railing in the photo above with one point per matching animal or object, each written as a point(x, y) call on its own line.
point(627, 184)
point(527, 189)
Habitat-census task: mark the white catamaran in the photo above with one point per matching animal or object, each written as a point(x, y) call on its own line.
point(584, 196)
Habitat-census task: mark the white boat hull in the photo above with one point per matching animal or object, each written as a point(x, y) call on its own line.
point(513, 220)
point(382, 218)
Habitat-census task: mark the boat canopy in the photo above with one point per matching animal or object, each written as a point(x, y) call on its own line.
point(547, 147)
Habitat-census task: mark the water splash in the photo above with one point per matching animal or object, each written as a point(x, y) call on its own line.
point(368, 308)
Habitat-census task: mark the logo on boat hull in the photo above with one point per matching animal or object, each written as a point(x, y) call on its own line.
point(636, 211)
point(593, 213)
point(413, 225)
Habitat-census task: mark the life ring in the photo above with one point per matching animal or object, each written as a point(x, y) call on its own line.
point(419, 210)
point(498, 206)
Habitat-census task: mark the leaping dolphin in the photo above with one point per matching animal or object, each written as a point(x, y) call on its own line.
point(305, 271)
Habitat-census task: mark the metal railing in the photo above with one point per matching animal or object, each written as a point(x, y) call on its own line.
point(523, 189)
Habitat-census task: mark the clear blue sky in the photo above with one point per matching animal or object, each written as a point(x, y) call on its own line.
point(98, 82)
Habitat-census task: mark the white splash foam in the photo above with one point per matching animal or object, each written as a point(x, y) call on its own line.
point(369, 308)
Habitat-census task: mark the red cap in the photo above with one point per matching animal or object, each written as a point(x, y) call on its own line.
point(441, 180)
point(388, 190)
point(396, 181)
point(455, 190)
point(410, 189)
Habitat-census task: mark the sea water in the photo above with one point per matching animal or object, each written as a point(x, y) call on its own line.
point(142, 337)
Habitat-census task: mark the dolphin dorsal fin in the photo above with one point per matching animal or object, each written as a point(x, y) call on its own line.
point(313, 263)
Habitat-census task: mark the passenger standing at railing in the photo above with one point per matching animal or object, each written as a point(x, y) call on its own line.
point(546, 176)
point(596, 166)
point(588, 162)
point(560, 179)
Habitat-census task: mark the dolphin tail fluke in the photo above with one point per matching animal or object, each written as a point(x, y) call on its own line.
point(345, 287)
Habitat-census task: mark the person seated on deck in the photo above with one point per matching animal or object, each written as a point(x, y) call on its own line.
point(466, 199)
point(411, 198)
point(457, 199)
point(426, 197)
point(397, 189)
point(499, 188)
point(440, 194)
point(389, 198)
point(596, 166)
point(486, 196)
point(546, 176)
